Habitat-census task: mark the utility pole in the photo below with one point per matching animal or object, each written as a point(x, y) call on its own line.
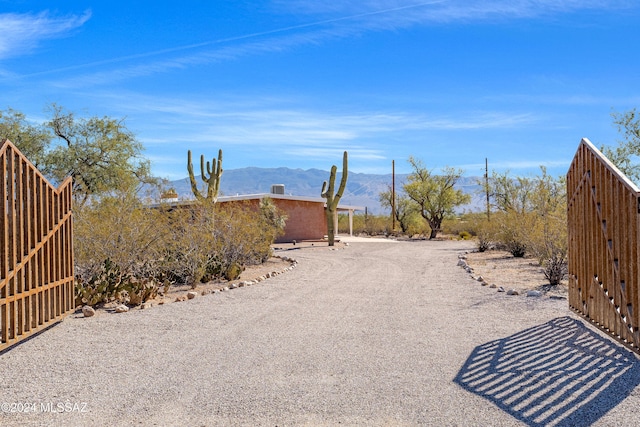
point(393, 195)
point(486, 186)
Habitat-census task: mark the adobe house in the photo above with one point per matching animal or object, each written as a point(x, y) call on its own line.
point(306, 218)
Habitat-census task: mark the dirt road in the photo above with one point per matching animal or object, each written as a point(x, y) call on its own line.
point(372, 334)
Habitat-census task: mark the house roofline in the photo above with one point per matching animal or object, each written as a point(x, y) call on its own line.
point(241, 197)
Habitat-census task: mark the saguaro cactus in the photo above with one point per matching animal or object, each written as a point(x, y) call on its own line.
point(210, 176)
point(332, 200)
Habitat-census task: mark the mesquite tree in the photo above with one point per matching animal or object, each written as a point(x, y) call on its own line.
point(434, 195)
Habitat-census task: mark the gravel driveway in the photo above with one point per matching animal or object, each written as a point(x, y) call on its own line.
point(373, 334)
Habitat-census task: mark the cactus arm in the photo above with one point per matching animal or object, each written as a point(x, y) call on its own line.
point(210, 175)
point(192, 178)
point(343, 181)
point(324, 191)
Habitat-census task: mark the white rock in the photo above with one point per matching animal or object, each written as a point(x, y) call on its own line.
point(500, 289)
point(534, 293)
point(462, 263)
point(512, 292)
point(88, 311)
point(191, 294)
point(122, 308)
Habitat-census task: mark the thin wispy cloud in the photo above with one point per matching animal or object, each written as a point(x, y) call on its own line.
point(236, 124)
point(21, 33)
point(401, 13)
point(341, 20)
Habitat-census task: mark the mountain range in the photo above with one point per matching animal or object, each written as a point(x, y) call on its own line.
point(362, 189)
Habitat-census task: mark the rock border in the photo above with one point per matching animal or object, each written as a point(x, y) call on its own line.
point(89, 311)
point(462, 262)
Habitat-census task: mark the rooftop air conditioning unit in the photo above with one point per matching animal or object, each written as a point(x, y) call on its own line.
point(277, 189)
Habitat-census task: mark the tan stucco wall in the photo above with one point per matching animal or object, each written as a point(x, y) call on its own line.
point(305, 220)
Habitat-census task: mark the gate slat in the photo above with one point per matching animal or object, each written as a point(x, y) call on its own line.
point(36, 263)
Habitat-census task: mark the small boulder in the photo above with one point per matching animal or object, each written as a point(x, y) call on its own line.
point(462, 263)
point(500, 289)
point(191, 294)
point(493, 286)
point(122, 308)
point(480, 279)
point(534, 293)
point(512, 292)
point(88, 311)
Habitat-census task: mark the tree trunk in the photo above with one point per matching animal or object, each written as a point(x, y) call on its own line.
point(434, 224)
point(330, 226)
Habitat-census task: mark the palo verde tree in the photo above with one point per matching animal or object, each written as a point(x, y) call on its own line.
point(404, 211)
point(210, 176)
point(626, 155)
point(434, 195)
point(333, 199)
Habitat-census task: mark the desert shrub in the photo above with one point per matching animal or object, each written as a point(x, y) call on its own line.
point(116, 243)
point(485, 232)
point(555, 268)
point(455, 226)
point(512, 231)
point(119, 229)
point(548, 242)
point(189, 248)
point(125, 251)
point(219, 241)
point(464, 235)
point(531, 218)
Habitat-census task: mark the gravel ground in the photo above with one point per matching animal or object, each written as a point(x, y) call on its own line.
point(372, 334)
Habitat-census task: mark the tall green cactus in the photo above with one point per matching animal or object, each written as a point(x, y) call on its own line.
point(213, 170)
point(332, 200)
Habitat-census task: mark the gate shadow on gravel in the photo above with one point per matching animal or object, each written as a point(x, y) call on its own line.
point(560, 373)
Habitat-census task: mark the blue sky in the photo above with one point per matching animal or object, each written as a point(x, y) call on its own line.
point(296, 82)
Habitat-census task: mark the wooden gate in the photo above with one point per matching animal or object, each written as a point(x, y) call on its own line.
point(36, 251)
point(603, 215)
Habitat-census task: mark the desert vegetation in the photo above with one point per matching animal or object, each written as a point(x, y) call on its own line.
point(126, 249)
